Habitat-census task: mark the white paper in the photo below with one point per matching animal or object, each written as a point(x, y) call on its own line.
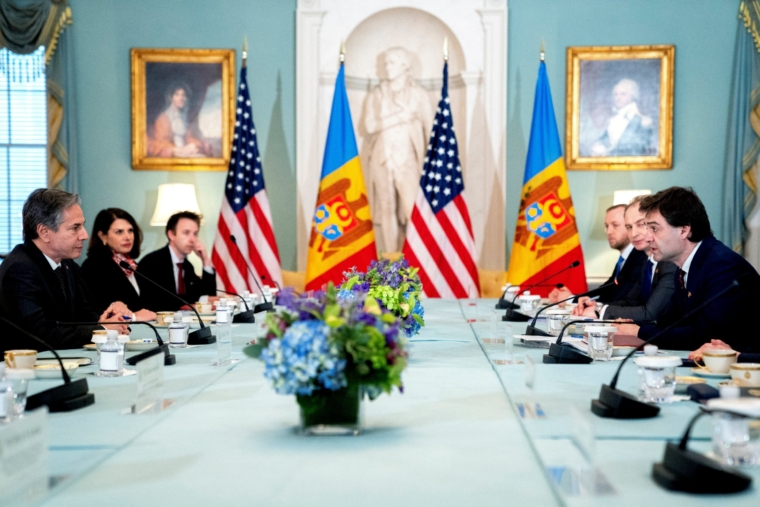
point(24, 459)
point(150, 385)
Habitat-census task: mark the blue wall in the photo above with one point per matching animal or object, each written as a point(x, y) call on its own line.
point(703, 32)
point(105, 30)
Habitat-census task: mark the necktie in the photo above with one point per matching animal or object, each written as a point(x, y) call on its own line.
point(646, 286)
point(619, 266)
point(61, 281)
point(681, 284)
point(180, 279)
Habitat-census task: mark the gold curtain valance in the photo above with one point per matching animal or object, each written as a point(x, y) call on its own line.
point(749, 13)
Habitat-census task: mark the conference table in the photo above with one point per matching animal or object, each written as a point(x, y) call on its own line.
point(476, 424)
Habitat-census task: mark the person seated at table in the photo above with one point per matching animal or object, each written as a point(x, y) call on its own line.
point(678, 230)
point(652, 294)
point(628, 267)
point(40, 284)
point(116, 237)
point(170, 268)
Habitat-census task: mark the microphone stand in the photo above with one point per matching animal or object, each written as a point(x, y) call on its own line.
point(266, 306)
point(684, 470)
point(202, 336)
point(617, 404)
point(245, 317)
point(532, 330)
point(169, 358)
point(72, 395)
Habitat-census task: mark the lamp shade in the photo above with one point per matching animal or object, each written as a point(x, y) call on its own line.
point(626, 196)
point(173, 198)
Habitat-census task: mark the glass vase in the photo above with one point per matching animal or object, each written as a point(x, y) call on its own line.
point(331, 412)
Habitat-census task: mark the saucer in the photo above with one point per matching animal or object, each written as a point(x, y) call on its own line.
point(683, 383)
point(708, 374)
point(140, 345)
point(81, 361)
point(53, 371)
point(621, 350)
point(90, 346)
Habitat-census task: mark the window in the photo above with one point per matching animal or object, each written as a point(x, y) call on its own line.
point(23, 138)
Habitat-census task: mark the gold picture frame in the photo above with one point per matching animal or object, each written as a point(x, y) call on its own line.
point(183, 103)
point(619, 107)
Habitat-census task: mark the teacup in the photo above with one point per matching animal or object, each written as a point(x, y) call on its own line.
point(161, 318)
point(717, 360)
point(204, 307)
point(21, 359)
point(746, 374)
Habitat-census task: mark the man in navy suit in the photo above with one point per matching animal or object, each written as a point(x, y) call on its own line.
point(169, 267)
point(679, 232)
point(41, 284)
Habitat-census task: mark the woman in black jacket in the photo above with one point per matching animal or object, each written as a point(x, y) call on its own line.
point(115, 237)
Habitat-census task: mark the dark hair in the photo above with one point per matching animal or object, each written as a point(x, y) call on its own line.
point(171, 224)
point(45, 206)
point(103, 223)
point(635, 200)
point(614, 206)
point(680, 206)
point(172, 88)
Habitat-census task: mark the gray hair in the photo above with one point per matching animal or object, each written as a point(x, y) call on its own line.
point(632, 86)
point(46, 206)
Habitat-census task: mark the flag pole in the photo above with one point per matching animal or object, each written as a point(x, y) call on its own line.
point(342, 51)
point(245, 50)
point(445, 48)
point(542, 50)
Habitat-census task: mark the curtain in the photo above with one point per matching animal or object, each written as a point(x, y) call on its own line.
point(743, 147)
point(26, 25)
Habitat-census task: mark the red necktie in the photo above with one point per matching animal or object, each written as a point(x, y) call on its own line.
point(180, 279)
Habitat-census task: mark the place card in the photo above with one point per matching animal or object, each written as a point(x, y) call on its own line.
point(150, 385)
point(24, 459)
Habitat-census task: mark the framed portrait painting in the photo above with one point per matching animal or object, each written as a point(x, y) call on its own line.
point(182, 108)
point(619, 110)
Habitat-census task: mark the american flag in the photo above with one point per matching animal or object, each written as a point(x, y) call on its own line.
point(245, 210)
point(439, 236)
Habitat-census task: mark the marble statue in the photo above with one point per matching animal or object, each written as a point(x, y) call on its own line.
point(397, 119)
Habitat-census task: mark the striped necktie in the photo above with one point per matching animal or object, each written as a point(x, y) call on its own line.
point(618, 267)
point(61, 281)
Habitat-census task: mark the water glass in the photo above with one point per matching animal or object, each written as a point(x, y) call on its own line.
point(736, 439)
point(555, 321)
point(470, 310)
point(659, 377)
point(599, 343)
point(529, 303)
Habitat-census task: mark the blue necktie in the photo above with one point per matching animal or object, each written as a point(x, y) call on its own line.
point(646, 285)
point(618, 267)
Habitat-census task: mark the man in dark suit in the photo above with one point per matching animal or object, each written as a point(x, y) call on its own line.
point(652, 294)
point(628, 267)
point(679, 232)
point(41, 284)
point(169, 267)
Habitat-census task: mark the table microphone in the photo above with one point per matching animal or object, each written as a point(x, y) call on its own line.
point(72, 395)
point(514, 316)
point(563, 353)
point(532, 330)
point(617, 404)
point(692, 472)
point(169, 358)
point(202, 336)
point(279, 289)
point(266, 306)
point(245, 317)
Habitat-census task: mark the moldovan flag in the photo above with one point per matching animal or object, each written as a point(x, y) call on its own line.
point(546, 235)
point(342, 236)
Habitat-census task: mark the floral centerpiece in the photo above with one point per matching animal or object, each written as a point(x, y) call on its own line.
point(395, 285)
point(329, 352)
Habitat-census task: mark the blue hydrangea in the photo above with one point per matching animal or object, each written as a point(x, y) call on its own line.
point(346, 295)
point(411, 326)
point(304, 360)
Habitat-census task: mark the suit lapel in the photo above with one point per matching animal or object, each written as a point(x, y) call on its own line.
point(51, 280)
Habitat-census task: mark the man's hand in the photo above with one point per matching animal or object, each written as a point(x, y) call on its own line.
point(559, 294)
point(200, 251)
point(118, 322)
point(629, 329)
point(145, 315)
point(586, 307)
point(714, 344)
point(117, 307)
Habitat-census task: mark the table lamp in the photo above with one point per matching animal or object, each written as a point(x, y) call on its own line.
point(626, 196)
point(173, 198)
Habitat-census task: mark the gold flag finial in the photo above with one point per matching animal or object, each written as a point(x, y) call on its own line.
point(445, 48)
point(245, 49)
point(542, 50)
point(342, 51)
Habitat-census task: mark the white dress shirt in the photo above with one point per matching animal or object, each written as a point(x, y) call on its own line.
point(687, 264)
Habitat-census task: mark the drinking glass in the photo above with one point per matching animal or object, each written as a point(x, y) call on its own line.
point(599, 345)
